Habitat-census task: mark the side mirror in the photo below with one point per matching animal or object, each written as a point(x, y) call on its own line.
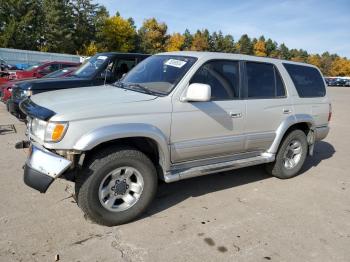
point(197, 93)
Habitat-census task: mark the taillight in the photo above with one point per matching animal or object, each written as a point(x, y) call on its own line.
point(330, 113)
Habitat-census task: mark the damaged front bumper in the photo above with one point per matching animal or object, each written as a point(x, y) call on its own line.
point(42, 166)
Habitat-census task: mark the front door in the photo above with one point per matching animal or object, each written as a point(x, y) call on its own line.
point(210, 129)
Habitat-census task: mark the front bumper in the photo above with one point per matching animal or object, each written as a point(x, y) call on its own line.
point(43, 167)
point(13, 108)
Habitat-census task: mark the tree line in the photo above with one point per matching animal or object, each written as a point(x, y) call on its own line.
point(83, 27)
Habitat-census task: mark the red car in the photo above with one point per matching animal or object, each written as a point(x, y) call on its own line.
point(41, 69)
point(6, 88)
point(6, 94)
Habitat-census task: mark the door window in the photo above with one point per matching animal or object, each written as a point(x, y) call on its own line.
point(264, 81)
point(223, 78)
point(49, 69)
point(124, 66)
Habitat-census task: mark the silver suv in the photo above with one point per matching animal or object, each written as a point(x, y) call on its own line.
point(174, 116)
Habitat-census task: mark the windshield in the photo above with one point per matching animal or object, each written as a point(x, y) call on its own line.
point(90, 67)
point(159, 73)
point(33, 67)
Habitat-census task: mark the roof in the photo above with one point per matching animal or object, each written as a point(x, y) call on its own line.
point(219, 55)
point(123, 54)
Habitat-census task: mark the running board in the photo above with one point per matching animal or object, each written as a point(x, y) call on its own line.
point(180, 174)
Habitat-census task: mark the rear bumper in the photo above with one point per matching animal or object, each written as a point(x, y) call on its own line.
point(321, 132)
point(43, 167)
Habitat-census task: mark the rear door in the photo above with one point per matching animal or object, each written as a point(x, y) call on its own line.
point(311, 92)
point(267, 104)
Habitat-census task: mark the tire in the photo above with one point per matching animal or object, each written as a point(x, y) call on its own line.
point(91, 185)
point(281, 167)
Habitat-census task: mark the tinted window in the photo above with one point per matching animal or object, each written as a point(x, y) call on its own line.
point(124, 66)
point(307, 80)
point(67, 65)
point(95, 63)
point(264, 81)
point(223, 78)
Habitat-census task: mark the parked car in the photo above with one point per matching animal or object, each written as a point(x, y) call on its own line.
point(340, 82)
point(64, 72)
point(41, 69)
point(6, 88)
point(5, 94)
point(347, 82)
point(98, 70)
point(3, 65)
point(174, 116)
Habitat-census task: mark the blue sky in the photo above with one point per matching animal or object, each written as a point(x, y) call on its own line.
point(315, 26)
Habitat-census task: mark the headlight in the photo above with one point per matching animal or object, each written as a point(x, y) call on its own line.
point(26, 93)
point(38, 128)
point(48, 131)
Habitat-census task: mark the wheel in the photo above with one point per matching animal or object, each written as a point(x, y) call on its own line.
point(116, 186)
point(290, 156)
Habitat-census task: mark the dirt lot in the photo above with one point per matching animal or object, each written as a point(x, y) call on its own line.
point(241, 215)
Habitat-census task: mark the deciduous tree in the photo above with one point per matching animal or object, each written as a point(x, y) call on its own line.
point(116, 34)
point(152, 36)
point(200, 41)
point(260, 48)
point(340, 67)
point(175, 42)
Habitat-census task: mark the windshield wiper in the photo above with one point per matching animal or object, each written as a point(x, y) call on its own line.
point(143, 88)
point(130, 86)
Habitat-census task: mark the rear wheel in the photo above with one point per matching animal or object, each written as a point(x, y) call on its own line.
point(116, 186)
point(290, 156)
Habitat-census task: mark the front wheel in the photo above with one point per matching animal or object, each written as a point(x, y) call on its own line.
point(290, 156)
point(116, 186)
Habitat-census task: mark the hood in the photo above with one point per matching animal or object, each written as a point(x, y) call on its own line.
point(88, 102)
point(16, 82)
point(41, 84)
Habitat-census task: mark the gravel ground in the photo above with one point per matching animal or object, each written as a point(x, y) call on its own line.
point(241, 215)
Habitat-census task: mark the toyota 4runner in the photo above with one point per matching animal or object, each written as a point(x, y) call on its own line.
point(174, 116)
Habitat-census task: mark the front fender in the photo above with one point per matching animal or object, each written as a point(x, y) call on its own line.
point(113, 132)
point(286, 124)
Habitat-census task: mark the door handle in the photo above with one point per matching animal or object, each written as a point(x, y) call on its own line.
point(287, 111)
point(236, 115)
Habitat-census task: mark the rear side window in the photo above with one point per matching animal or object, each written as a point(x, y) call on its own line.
point(307, 80)
point(264, 81)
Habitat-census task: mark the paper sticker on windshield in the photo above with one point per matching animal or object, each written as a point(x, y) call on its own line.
point(102, 57)
point(175, 63)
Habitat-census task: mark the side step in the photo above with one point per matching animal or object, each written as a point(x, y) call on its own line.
point(180, 174)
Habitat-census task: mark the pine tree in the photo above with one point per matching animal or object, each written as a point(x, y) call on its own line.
point(59, 30)
point(188, 40)
point(244, 45)
point(21, 24)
